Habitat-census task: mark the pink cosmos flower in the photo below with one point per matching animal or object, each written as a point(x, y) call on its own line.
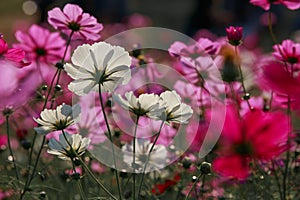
point(201, 47)
point(73, 20)
point(288, 52)
point(276, 77)
point(41, 45)
point(258, 135)
point(201, 71)
point(16, 85)
point(91, 124)
point(234, 35)
point(265, 4)
point(13, 55)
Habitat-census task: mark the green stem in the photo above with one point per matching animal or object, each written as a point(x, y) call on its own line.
point(148, 157)
point(31, 175)
point(82, 194)
point(10, 149)
point(277, 181)
point(242, 76)
point(111, 141)
point(193, 186)
point(133, 151)
point(96, 180)
point(286, 169)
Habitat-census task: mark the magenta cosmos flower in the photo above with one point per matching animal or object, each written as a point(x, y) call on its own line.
point(72, 19)
point(13, 55)
point(41, 45)
point(234, 35)
point(256, 136)
point(288, 52)
point(265, 4)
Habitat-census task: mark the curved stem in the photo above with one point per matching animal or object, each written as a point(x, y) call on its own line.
point(277, 180)
point(10, 149)
point(133, 151)
point(81, 190)
point(275, 41)
point(96, 180)
point(242, 76)
point(193, 186)
point(111, 141)
point(57, 73)
point(286, 168)
point(148, 157)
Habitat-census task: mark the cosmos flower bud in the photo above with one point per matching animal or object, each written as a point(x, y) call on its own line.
point(234, 35)
point(205, 168)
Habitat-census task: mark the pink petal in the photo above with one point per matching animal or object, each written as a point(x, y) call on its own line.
point(56, 18)
point(16, 55)
point(175, 49)
point(72, 11)
point(232, 166)
point(278, 79)
point(291, 4)
point(3, 46)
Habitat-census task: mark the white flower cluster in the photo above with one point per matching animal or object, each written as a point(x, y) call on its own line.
point(167, 106)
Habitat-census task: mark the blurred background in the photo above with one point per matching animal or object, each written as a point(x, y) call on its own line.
point(188, 16)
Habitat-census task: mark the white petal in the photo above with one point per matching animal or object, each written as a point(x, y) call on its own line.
point(82, 58)
point(43, 129)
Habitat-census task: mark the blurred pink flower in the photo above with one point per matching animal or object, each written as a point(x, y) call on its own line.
point(265, 4)
point(13, 55)
point(202, 47)
point(72, 19)
point(16, 85)
point(91, 124)
point(287, 51)
point(258, 135)
point(41, 45)
point(234, 35)
point(3, 142)
point(137, 20)
point(276, 77)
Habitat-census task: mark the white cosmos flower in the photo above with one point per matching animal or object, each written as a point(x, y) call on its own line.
point(58, 119)
point(158, 157)
point(63, 150)
point(100, 63)
point(145, 104)
point(175, 110)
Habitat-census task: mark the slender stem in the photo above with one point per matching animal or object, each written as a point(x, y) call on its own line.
point(242, 76)
point(82, 194)
point(111, 141)
point(133, 151)
point(234, 96)
point(62, 62)
point(277, 181)
point(96, 180)
point(36, 161)
point(193, 186)
point(274, 37)
point(271, 27)
point(30, 176)
point(57, 73)
point(286, 169)
point(50, 88)
point(148, 157)
point(67, 45)
point(10, 150)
